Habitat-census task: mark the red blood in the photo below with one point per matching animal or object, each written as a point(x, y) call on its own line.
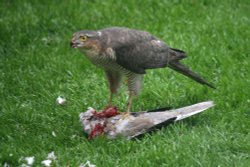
point(98, 130)
point(107, 112)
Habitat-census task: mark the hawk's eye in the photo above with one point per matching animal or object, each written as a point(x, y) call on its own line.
point(83, 38)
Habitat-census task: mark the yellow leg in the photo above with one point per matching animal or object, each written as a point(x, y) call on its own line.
point(127, 113)
point(130, 100)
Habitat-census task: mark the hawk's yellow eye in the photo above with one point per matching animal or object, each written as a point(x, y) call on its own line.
point(83, 38)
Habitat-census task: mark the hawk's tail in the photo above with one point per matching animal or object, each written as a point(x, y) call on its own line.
point(186, 71)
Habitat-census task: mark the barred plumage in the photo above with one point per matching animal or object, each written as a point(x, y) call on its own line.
point(107, 62)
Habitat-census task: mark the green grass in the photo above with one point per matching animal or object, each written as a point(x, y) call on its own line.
point(37, 65)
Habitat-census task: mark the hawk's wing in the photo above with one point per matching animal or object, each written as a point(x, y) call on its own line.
point(141, 55)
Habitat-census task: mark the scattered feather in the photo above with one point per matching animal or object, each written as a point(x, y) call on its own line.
point(53, 134)
point(60, 100)
point(6, 165)
point(46, 162)
point(87, 164)
point(30, 160)
point(51, 156)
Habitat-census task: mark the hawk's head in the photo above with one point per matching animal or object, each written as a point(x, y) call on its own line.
point(86, 39)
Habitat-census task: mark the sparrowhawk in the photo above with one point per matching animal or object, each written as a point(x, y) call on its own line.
point(128, 52)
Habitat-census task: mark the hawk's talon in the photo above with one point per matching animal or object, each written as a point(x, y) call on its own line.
point(125, 115)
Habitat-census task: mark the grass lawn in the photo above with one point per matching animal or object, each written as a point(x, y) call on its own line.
point(37, 65)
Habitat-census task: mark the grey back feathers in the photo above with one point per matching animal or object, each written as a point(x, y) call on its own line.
point(138, 50)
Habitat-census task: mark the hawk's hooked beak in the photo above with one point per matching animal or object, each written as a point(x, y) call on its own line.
point(73, 45)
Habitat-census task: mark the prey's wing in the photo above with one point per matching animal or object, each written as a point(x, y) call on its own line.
point(163, 118)
point(139, 127)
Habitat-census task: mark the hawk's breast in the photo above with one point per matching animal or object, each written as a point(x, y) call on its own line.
point(106, 60)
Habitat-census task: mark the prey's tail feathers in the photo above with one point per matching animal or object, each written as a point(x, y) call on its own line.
point(193, 109)
point(186, 71)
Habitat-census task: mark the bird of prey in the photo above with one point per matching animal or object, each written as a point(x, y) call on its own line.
point(128, 52)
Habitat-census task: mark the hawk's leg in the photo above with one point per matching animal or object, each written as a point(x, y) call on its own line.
point(134, 87)
point(114, 79)
point(130, 100)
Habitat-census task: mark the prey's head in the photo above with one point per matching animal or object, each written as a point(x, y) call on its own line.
point(89, 121)
point(86, 39)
